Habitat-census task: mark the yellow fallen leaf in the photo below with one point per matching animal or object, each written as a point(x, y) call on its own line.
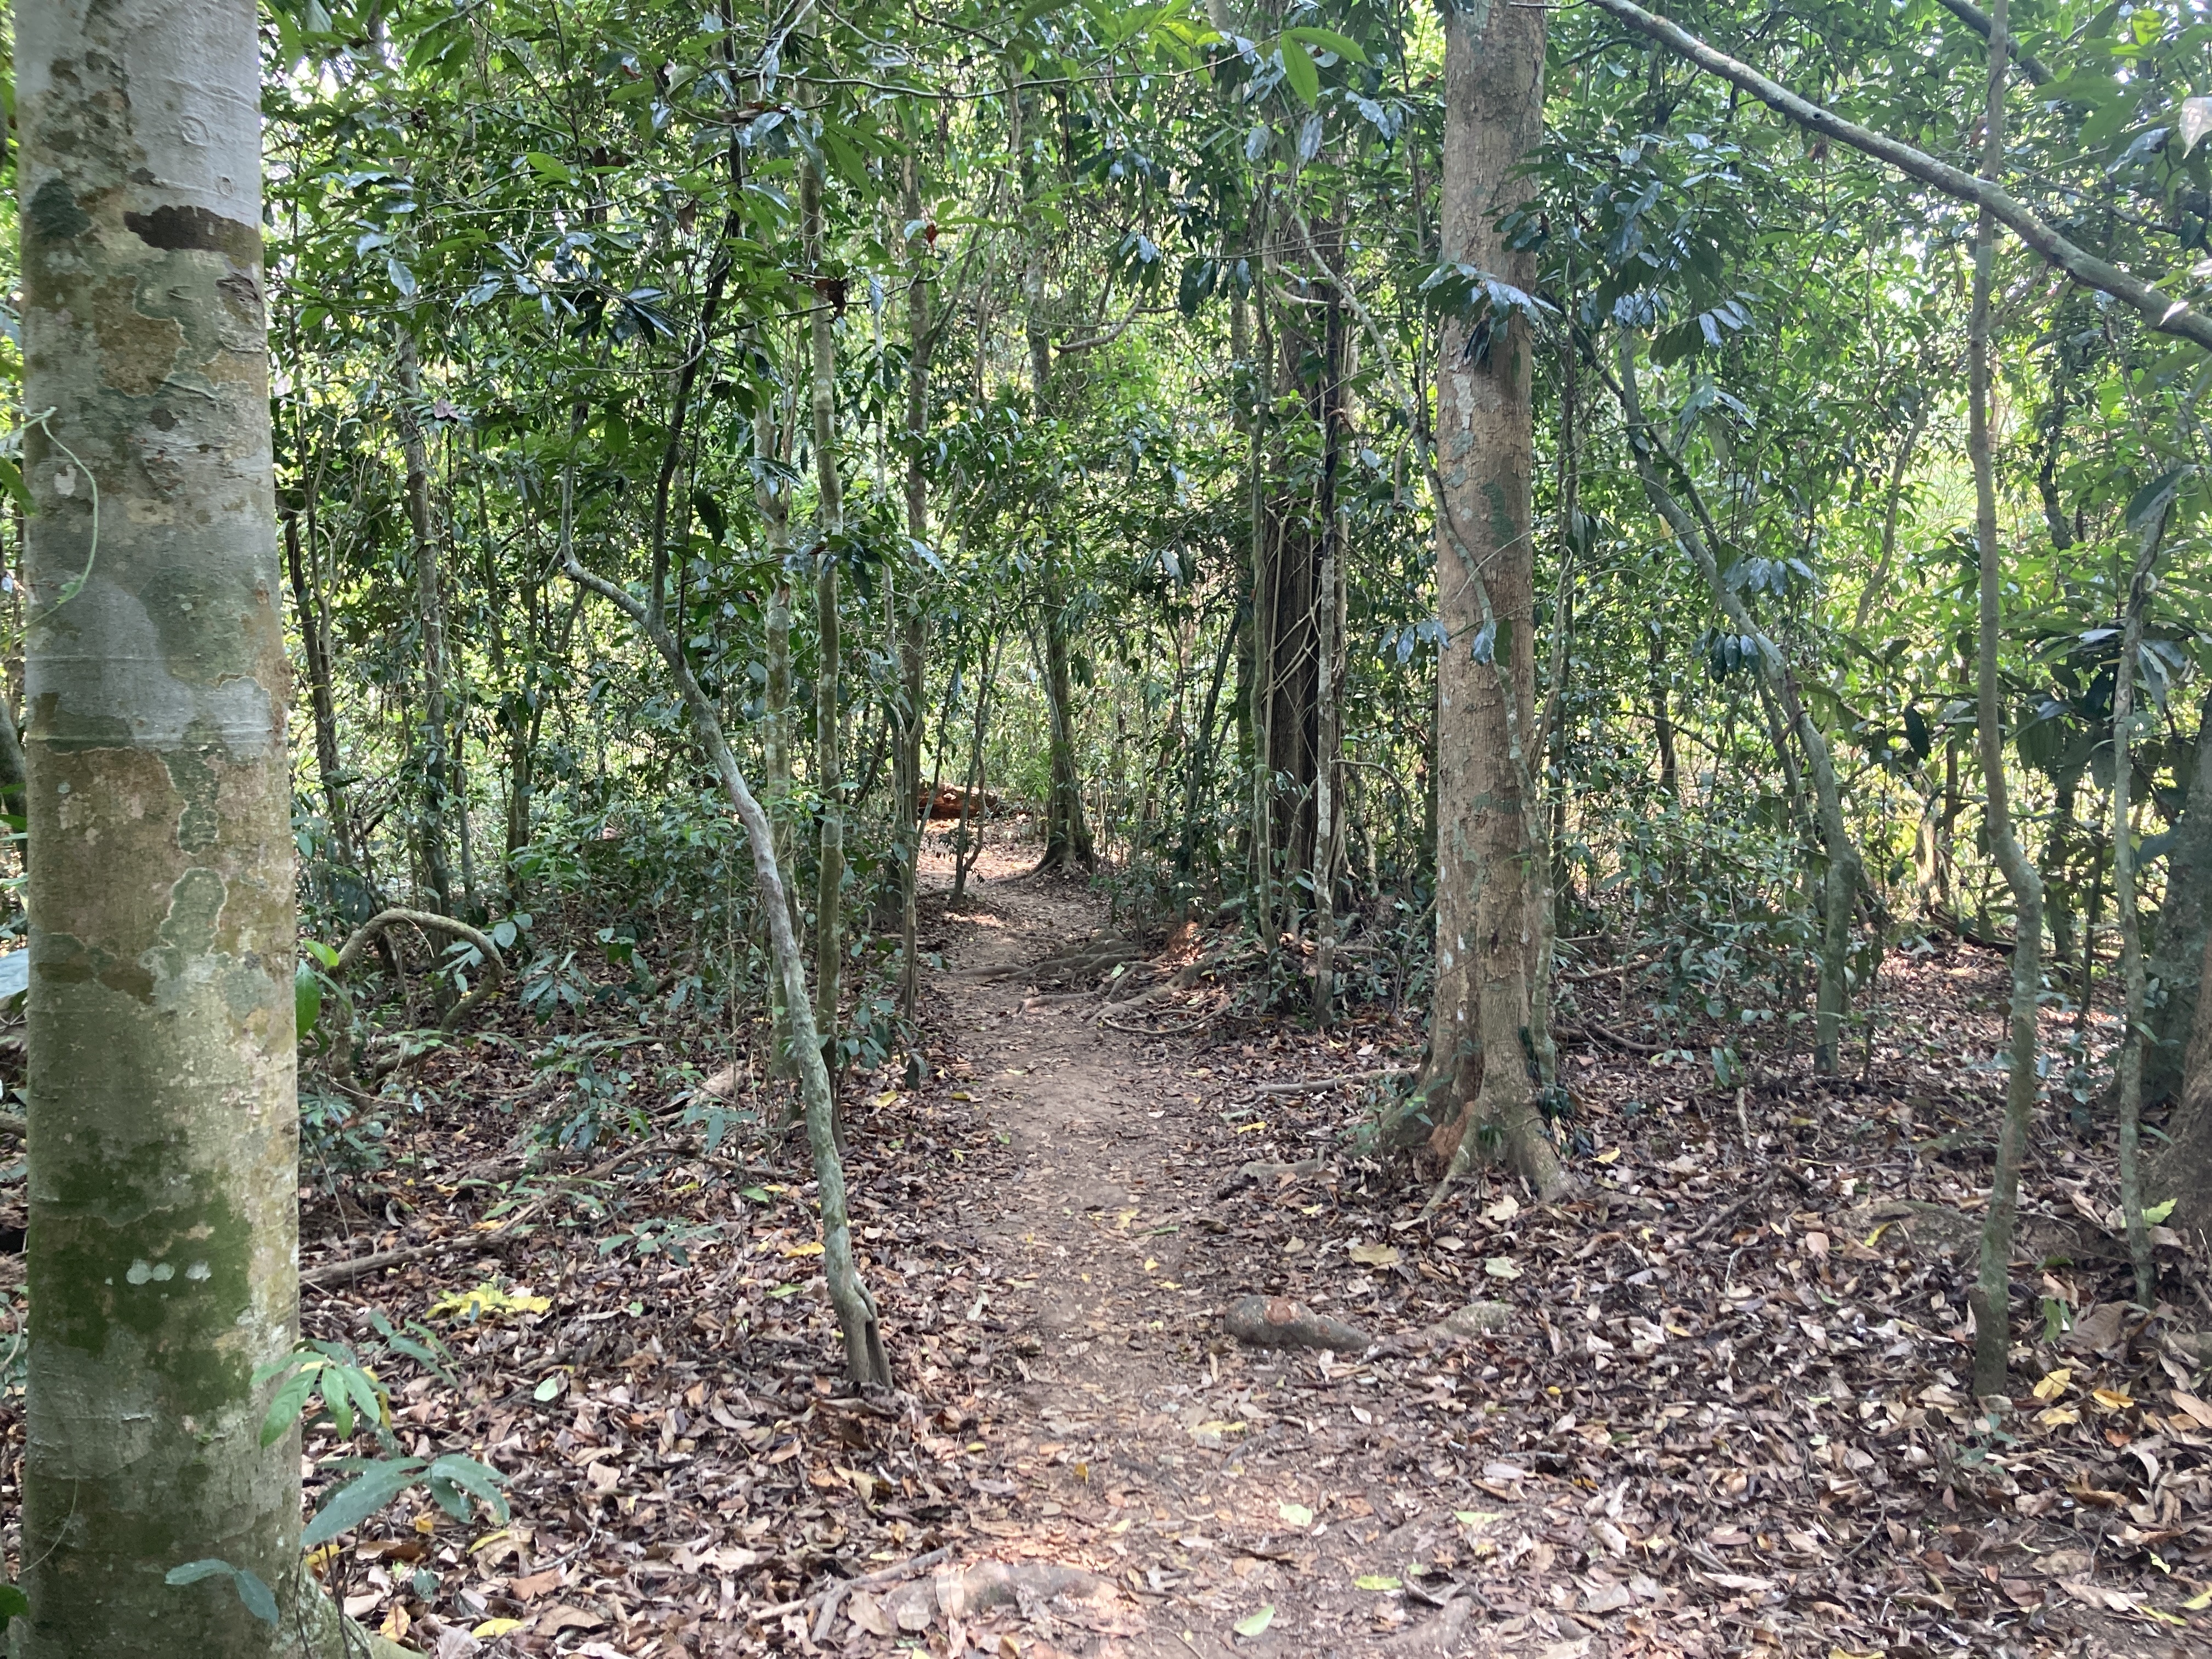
point(962, 1094)
point(320, 1557)
point(491, 1538)
point(2166, 1617)
point(1218, 1426)
point(395, 1623)
point(1876, 1234)
point(492, 1627)
point(2053, 1385)
point(1251, 1128)
point(486, 1301)
point(814, 1248)
point(2058, 1417)
point(1610, 1155)
point(885, 1099)
point(2112, 1399)
point(2197, 1603)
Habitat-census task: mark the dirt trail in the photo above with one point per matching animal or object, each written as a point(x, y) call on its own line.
point(1209, 1482)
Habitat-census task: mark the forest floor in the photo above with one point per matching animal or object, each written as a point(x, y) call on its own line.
point(1723, 1410)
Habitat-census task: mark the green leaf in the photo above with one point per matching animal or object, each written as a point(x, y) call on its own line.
point(351, 1505)
point(453, 1474)
point(192, 1571)
point(306, 999)
point(251, 1589)
point(1329, 40)
point(549, 1389)
point(256, 1594)
point(13, 1605)
point(1376, 1581)
point(284, 1410)
point(320, 952)
point(1294, 1515)
point(1299, 70)
point(2158, 1212)
point(1254, 1624)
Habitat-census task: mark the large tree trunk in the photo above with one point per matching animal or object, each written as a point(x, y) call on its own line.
point(164, 1131)
point(2179, 947)
point(430, 608)
point(1479, 1084)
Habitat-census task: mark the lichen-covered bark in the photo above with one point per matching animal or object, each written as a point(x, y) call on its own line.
point(163, 1120)
point(1479, 1087)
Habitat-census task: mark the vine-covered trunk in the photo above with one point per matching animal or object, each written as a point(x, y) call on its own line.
point(1479, 1083)
point(430, 613)
point(1992, 1296)
point(164, 1131)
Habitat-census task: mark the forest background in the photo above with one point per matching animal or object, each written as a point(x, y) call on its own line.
point(1578, 497)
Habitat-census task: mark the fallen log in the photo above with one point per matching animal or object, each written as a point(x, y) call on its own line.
point(1276, 1321)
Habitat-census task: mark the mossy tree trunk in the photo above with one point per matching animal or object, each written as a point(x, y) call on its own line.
point(163, 1125)
point(1480, 1084)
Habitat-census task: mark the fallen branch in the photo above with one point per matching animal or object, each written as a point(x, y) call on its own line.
point(844, 1587)
point(1611, 1039)
point(1321, 1084)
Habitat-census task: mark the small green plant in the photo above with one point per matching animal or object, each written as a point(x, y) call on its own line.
point(327, 1381)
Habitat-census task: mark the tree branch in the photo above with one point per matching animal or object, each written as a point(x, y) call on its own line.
point(2159, 309)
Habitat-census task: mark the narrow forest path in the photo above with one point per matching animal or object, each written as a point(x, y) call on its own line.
point(1209, 1483)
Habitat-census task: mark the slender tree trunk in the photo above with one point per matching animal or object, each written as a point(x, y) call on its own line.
point(1067, 832)
point(1838, 873)
point(1479, 1084)
point(2134, 980)
point(163, 1125)
point(912, 641)
point(1992, 1296)
point(964, 858)
point(855, 1308)
point(1662, 718)
point(830, 873)
point(773, 491)
point(1329, 629)
point(430, 614)
point(314, 639)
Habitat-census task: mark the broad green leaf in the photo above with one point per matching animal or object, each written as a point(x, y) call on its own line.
point(306, 999)
point(2158, 1212)
point(1329, 40)
point(1299, 71)
point(351, 1505)
point(1377, 1580)
point(1295, 1515)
